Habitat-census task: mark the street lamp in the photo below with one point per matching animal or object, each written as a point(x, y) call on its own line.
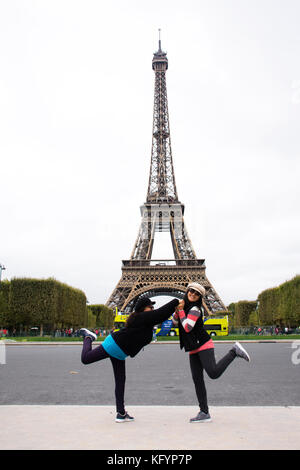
point(1, 269)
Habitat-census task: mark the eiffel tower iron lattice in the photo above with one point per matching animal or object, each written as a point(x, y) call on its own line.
point(162, 212)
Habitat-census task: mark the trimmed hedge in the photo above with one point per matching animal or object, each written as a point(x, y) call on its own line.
point(4, 302)
point(242, 313)
point(50, 304)
point(104, 316)
point(281, 305)
point(276, 306)
point(44, 303)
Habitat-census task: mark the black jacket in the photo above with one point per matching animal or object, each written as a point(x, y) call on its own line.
point(195, 338)
point(131, 339)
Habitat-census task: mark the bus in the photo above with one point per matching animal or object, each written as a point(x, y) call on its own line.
point(166, 329)
point(120, 320)
point(214, 325)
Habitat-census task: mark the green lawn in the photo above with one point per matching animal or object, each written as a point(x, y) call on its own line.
point(160, 338)
point(42, 338)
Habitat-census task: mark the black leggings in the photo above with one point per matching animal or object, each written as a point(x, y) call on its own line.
point(205, 360)
point(90, 355)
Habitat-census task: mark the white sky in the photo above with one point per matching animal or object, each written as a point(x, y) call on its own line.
point(76, 103)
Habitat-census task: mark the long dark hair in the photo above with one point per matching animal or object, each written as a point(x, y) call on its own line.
point(131, 318)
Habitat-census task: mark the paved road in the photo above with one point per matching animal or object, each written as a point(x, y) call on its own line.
point(159, 375)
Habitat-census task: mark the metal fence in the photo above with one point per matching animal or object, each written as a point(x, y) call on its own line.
point(264, 330)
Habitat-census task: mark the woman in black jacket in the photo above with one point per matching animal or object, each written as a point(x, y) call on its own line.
point(127, 341)
point(195, 340)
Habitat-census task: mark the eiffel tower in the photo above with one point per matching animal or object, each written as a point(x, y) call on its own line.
point(162, 212)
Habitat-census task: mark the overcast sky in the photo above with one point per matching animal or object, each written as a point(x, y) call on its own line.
point(76, 104)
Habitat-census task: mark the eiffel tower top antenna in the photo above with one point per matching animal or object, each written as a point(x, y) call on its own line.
point(162, 186)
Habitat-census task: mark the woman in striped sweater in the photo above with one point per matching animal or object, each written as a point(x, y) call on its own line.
point(195, 340)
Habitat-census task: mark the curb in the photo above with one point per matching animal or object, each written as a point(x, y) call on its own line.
point(79, 343)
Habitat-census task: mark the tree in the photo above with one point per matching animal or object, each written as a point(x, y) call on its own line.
point(243, 310)
point(46, 303)
point(104, 315)
point(4, 304)
point(281, 305)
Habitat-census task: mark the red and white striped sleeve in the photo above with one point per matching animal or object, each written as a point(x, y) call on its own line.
point(175, 319)
point(188, 321)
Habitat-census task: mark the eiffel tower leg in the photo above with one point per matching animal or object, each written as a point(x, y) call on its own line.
point(144, 243)
point(118, 296)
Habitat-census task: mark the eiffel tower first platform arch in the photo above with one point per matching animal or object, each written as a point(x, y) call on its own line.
point(162, 212)
point(161, 277)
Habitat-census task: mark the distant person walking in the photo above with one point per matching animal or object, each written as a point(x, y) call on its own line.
point(127, 341)
point(195, 340)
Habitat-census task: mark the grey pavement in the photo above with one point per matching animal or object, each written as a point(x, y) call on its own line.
point(158, 375)
point(37, 427)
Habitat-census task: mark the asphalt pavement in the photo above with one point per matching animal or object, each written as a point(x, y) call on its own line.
point(158, 375)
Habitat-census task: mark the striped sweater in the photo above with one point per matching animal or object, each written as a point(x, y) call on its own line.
point(188, 321)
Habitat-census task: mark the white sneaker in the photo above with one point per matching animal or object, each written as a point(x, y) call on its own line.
point(87, 334)
point(241, 352)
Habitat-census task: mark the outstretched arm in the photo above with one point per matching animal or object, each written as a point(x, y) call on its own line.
point(188, 321)
point(156, 316)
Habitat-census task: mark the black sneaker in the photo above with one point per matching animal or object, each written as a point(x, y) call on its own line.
point(201, 418)
point(87, 334)
point(123, 418)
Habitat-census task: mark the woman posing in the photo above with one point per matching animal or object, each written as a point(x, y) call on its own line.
point(127, 341)
point(195, 340)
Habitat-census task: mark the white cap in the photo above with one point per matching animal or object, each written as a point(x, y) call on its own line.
point(197, 287)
